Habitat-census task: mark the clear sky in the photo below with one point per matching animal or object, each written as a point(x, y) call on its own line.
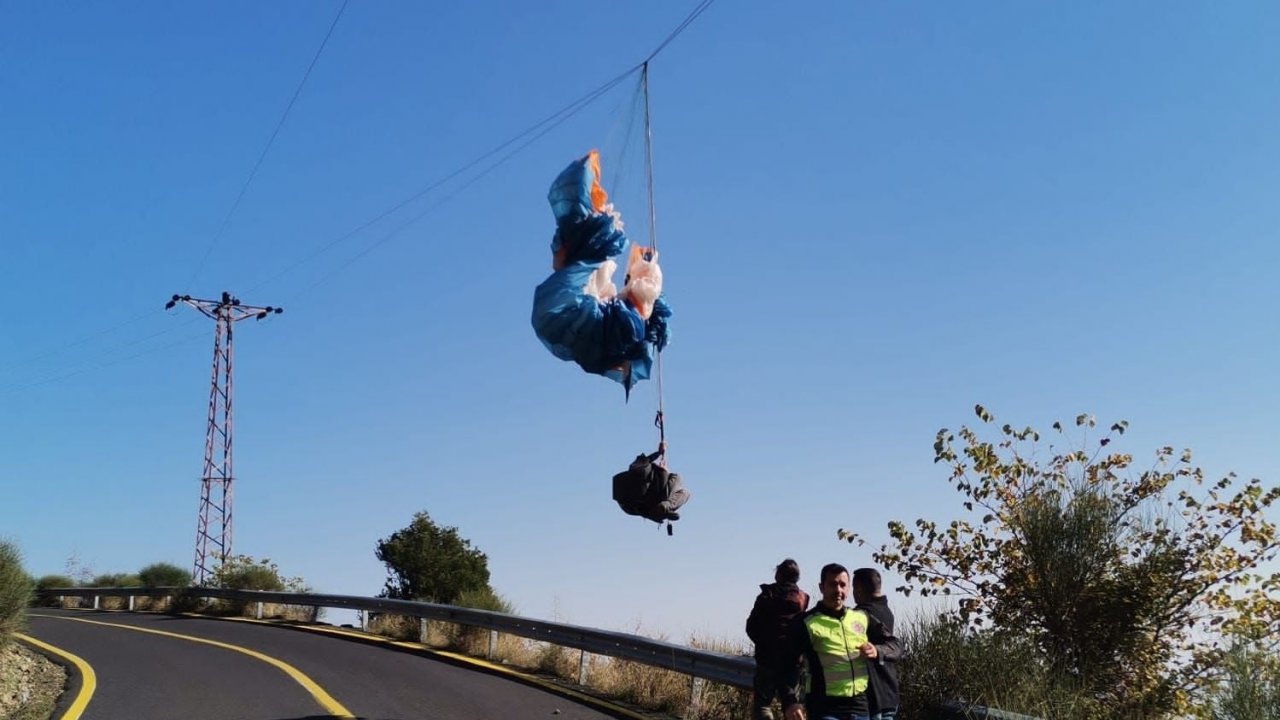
point(872, 216)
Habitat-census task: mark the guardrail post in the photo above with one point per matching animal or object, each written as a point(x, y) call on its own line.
point(493, 642)
point(95, 602)
point(258, 610)
point(582, 668)
point(695, 694)
point(130, 603)
point(422, 631)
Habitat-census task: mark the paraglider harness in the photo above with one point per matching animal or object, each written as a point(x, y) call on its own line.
point(649, 490)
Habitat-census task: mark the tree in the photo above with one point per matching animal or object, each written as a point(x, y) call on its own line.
point(1125, 582)
point(431, 563)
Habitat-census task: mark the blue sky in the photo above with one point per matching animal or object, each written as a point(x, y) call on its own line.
point(872, 217)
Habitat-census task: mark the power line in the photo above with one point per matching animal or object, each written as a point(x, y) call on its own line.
point(541, 128)
point(271, 141)
point(101, 364)
point(537, 131)
point(544, 125)
point(58, 349)
point(693, 15)
point(568, 113)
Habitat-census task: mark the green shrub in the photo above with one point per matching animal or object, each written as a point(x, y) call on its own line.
point(947, 661)
point(15, 592)
point(467, 638)
point(164, 575)
point(242, 572)
point(1249, 688)
point(116, 580)
point(53, 582)
point(484, 599)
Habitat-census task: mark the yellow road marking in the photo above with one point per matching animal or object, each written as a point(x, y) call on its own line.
point(88, 681)
point(466, 659)
point(331, 706)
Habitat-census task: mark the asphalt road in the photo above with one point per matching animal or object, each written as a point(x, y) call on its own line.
point(143, 675)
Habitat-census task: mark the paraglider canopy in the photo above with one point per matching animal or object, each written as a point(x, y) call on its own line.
point(578, 312)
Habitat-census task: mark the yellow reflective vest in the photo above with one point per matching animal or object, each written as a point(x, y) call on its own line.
point(834, 642)
point(838, 675)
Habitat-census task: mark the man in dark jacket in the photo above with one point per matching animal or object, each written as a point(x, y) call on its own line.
point(882, 694)
point(775, 609)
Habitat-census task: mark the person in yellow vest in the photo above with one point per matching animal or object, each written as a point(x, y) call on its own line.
point(837, 644)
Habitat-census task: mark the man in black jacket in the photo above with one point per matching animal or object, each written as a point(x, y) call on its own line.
point(882, 694)
point(776, 607)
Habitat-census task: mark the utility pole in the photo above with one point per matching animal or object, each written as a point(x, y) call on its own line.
point(215, 480)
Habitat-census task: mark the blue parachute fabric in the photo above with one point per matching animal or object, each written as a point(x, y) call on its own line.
point(606, 338)
point(570, 194)
point(656, 330)
point(575, 326)
point(593, 239)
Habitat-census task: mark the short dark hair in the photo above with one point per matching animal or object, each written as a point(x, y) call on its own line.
point(868, 579)
point(788, 571)
point(831, 570)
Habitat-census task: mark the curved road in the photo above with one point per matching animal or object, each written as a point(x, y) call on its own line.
point(263, 672)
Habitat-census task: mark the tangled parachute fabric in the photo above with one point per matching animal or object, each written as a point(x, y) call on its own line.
point(578, 313)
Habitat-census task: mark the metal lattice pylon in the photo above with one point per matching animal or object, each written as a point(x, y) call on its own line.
point(216, 477)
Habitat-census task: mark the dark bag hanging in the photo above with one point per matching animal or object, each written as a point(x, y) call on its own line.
point(648, 490)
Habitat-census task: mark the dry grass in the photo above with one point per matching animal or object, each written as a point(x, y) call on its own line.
point(270, 611)
point(644, 687)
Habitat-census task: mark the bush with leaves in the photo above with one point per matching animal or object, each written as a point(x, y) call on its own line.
point(1249, 682)
point(431, 563)
point(938, 669)
point(164, 575)
point(464, 637)
point(242, 572)
point(115, 580)
point(15, 591)
point(1124, 581)
point(52, 582)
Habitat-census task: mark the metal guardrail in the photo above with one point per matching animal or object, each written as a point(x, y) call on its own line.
point(734, 670)
point(702, 664)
